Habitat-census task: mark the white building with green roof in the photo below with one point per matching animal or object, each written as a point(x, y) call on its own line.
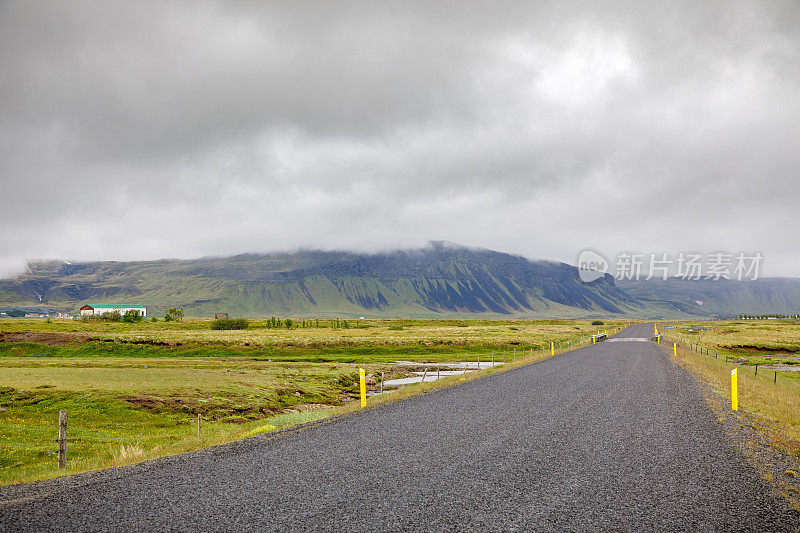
point(99, 309)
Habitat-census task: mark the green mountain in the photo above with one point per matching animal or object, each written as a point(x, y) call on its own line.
point(440, 280)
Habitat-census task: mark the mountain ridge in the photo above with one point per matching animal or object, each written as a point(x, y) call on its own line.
point(440, 280)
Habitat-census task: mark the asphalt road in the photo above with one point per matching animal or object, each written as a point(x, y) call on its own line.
point(611, 436)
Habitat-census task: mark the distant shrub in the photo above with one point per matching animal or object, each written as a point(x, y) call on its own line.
point(597, 322)
point(153, 319)
point(132, 315)
point(512, 328)
point(395, 328)
point(111, 317)
point(277, 323)
point(229, 323)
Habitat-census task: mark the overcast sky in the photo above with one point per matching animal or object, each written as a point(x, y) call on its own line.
point(141, 130)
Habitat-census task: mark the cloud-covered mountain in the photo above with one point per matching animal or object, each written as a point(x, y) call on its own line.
point(439, 280)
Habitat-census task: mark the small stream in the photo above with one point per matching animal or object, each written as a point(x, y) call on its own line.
point(444, 370)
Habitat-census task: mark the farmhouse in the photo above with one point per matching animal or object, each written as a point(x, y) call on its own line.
point(99, 309)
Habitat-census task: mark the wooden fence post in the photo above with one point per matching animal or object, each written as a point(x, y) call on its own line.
point(199, 430)
point(62, 439)
point(381, 382)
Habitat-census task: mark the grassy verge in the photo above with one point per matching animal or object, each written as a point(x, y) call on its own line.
point(773, 398)
point(104, 432)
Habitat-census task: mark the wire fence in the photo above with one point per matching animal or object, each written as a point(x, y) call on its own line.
point(709, 352)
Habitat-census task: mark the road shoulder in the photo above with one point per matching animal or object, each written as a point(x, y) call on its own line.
point(759, 443)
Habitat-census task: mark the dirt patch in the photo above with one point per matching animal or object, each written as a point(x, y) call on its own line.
point(148, 342)
point(151, 404)
point(47, 338)
point(759, 350)
point(224, 410)
point(794, 367)
point(234, 420)
point(311, 406)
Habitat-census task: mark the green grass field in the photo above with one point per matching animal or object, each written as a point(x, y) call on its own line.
point(763, 342)
point(361, 333)
point(133, 391)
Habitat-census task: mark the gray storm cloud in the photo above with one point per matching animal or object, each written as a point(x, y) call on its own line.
point(137, 130)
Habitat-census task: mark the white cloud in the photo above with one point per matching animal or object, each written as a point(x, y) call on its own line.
point(538, 129)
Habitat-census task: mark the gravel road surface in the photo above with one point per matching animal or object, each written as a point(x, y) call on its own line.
point(611, 436)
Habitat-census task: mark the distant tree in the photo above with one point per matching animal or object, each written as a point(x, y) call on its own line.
point(288, 322)
point(173, 314)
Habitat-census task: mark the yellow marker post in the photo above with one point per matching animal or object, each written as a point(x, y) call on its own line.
point(734, 391)
point(363, 377)
point(552, 348)
point(675, 349)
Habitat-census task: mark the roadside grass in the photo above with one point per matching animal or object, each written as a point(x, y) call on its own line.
point(133, 402)
point(105, 432)
point(775, 402)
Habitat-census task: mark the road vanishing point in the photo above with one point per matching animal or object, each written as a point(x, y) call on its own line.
point(612, 436)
